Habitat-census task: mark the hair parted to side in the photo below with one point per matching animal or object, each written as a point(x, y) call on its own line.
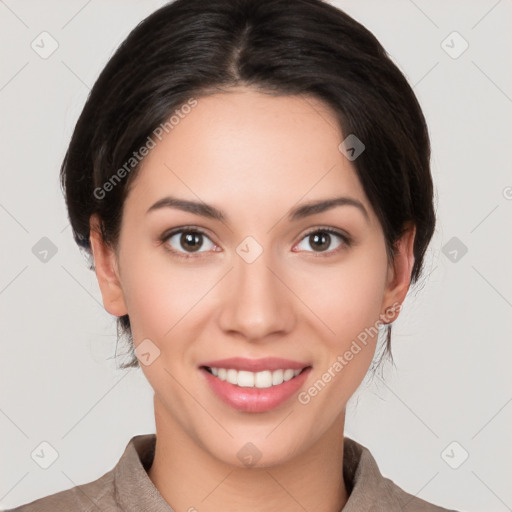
point(192, 48)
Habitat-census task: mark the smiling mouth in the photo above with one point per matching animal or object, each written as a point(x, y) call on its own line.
point(247, 379)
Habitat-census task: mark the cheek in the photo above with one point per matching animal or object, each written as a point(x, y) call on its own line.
point(347, 297)
point(161, 296)
point(348, 301)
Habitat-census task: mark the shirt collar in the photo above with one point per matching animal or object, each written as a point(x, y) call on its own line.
point(135, 491)
point(368, 489)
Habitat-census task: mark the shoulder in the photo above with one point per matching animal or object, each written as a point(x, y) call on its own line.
point(371, 491)
point(408, 502)
point(126, 483)
point(96, 495)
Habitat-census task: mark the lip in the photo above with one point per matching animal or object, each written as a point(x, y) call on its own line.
point(254, 399)
point(256, 365)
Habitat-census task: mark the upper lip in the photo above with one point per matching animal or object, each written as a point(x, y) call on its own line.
point(256, 365)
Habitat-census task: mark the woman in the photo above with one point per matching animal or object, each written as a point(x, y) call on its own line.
point(252, 181)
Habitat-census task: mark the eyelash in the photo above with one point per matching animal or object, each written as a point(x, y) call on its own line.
point(192, 229)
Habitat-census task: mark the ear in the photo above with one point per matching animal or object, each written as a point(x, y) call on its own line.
point(399, 275)
point(107, 272)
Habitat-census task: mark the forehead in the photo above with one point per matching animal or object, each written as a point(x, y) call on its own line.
point(248, 147)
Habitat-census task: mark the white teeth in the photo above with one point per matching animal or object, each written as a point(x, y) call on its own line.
point(231, 376)
point(277, 377)
point(263, 379)
point(243, 379)
point(288, 374)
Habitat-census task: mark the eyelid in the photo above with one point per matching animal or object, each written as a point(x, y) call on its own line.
point(178, 229)
point(328, 229)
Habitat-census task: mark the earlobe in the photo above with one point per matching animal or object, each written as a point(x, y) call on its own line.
point(399, 274)
point(106, 268)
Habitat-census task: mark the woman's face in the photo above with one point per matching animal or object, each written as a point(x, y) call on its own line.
point(262, 282)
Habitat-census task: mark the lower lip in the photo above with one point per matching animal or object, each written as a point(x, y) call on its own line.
point(255, 399)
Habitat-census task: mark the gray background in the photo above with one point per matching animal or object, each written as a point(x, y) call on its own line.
point(452, 381)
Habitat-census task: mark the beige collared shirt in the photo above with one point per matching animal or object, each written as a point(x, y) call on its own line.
point(127, 487)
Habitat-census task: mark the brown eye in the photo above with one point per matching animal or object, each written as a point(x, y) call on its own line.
point(191, 241)
point(185, 241)
point(322, 240)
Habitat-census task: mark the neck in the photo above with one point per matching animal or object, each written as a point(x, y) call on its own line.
point(191, 479)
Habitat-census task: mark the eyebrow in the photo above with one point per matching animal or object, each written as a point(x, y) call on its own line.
point(305, 210)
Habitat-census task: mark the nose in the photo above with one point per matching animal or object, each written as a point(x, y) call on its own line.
point(257, 302)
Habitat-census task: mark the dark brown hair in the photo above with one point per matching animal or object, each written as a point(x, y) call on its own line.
point(191, 48)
